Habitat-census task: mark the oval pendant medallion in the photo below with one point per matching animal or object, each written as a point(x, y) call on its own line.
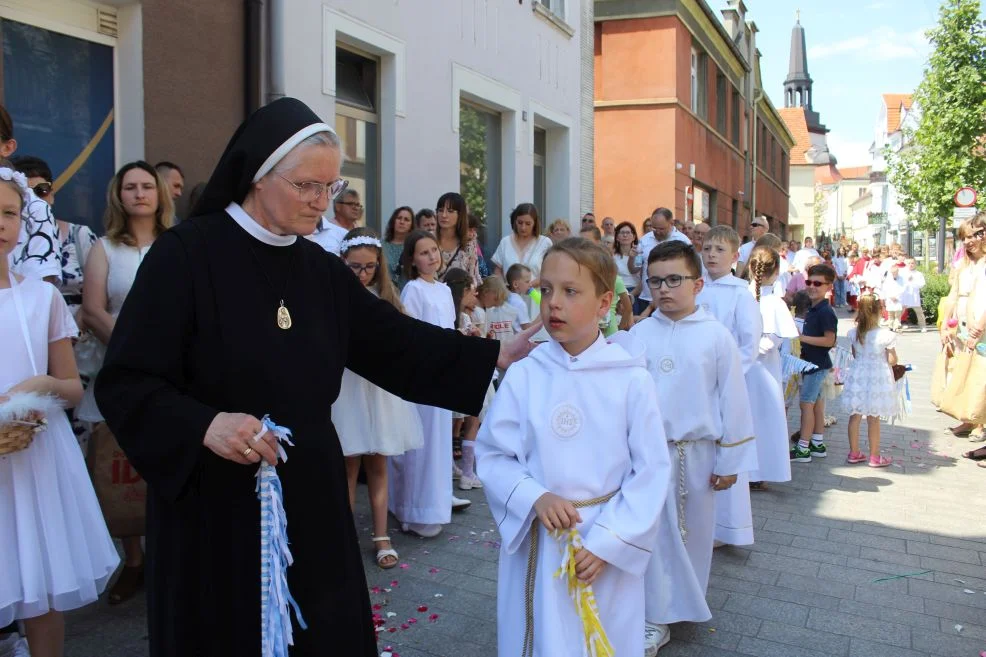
point(283, 318)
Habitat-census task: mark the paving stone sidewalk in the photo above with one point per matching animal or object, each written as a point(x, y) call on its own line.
point(848, 562)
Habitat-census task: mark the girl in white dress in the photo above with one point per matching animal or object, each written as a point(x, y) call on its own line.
point(56, 552)
point(372, 423)
point(869, 389)
point(421, 479)
point(769, 416)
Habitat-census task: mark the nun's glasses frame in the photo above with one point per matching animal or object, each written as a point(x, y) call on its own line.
point(310, 191)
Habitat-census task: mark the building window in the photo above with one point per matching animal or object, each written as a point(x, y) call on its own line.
point(736, 118)
point(784, 169)
point(735, 214)
point(556, 7)
point(699, 83)
point(59, 90)
point(721, 103)
point(773, 157)
point(540, 176)
point(480, 166)
point(357, 120)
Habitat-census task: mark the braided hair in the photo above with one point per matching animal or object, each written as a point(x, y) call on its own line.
point(765, 263)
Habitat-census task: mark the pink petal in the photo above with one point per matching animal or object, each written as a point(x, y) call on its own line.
point(412, 621)
point(405, 626)
point(423, 608)
point(391, 629)
point(377, 607)
point(405, 566)
point(433, 618)
point(433, 570)
point(375, 589)
point(394, 583)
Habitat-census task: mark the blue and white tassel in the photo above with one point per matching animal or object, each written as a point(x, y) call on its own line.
point(275, 556)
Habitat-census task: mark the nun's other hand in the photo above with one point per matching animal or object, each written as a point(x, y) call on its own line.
point(519, 347)
point(231, 436)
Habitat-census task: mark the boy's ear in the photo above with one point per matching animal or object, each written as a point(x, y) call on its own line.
point(699, 285)
point(735, 257)
point(605, 301)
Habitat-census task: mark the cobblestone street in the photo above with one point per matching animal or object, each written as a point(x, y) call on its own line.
point(848, 561)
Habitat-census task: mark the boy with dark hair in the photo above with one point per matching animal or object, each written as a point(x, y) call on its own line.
point(817, 337)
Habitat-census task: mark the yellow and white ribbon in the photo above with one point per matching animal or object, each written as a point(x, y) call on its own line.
point(596, 642)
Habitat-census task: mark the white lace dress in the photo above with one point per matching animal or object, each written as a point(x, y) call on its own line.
point(869, 386)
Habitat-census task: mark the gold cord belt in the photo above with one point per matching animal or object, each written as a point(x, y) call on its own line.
point(532, 571)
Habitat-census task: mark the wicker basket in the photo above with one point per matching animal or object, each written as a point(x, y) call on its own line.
point(16, 435)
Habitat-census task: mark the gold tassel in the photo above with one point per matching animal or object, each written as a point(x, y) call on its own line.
point(596, 642)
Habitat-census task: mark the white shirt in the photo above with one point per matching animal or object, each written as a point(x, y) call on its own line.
point(696, 366)
point(840, 265)
point(517, 302)
point(912, 282)
point(801, 258)
point(646, 245)
point(745, 250)
point(506, 254)
point(329, 235)
point(729, 300)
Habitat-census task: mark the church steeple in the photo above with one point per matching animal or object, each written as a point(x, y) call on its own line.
point(797, 86)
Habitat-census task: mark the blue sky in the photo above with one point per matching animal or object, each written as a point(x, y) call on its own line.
point(857, 50)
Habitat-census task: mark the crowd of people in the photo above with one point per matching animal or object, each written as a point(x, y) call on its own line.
point(576, 436)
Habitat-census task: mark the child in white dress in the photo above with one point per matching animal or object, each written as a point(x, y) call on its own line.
point(56, 552)
point(372, 423)
point(869, 389)
point(769, 415)
point(421, 479)
point(574, 441)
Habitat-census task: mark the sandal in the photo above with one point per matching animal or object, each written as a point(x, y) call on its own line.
point(758, 486)
point(130, 581)
point(383, 556)
point(977, 436)
point(976, 454)
point(961, 431)
point(856, 457)
point(880, 461)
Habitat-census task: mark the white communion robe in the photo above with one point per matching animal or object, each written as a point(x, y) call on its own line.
point(729, 300)
point(580, 427)
point(696, 366)
point(420, 481)
point(769, 412)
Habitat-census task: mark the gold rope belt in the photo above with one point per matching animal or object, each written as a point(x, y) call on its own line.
point(682, 488)
point(532, 570)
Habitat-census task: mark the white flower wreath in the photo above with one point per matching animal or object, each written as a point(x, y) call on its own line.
point(362, 240)
point(6, 173)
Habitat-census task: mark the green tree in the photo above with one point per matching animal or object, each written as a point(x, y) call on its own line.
point(945, 152)
point(473, 176)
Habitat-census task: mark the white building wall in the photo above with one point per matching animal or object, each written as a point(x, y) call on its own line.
point(496, 53)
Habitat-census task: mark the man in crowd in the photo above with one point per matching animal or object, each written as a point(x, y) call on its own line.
point(347, 211)
point(801, 257)
point(662, 230)
point(588, 219)
point(759, 227)
point(174, 179)
point(609, 227)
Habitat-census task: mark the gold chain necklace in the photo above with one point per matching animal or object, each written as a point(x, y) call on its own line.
point(283, 317)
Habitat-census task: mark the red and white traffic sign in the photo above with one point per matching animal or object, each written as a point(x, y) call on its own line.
point(966, 197)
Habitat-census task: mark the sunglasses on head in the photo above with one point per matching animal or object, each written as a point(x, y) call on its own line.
point(815, 283)
point(42, 190)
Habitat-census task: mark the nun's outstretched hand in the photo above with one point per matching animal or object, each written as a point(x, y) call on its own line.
point(241, 438)
point(519, 347)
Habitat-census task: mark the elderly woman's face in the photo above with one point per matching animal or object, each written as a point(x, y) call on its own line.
point(524, 225)
point(282, 208)
point(560, 231)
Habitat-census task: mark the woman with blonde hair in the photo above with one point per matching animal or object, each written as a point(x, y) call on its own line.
point(559, 230)
point(138, 210)
point(964, 310)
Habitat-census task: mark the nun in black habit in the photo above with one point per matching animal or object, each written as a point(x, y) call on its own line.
point(233, 316)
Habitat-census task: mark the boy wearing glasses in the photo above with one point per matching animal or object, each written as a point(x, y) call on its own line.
point(708, 444)
point(728, 299)
point(817, 337)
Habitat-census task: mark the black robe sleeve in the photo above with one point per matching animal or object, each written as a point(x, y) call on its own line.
point(141, 388)
point(412, 359)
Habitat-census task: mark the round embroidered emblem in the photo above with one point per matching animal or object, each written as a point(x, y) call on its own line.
point(667, 365)
point(566, 420)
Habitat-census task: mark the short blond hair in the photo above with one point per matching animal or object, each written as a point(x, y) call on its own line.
point(495, 286)
point(723, 234)
point(592, 256)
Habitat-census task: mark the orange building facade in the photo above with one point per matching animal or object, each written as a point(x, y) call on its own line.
point(673, 123)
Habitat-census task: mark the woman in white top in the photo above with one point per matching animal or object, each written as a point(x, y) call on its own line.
point(525, 245)
point(625, 255)
point(841, 266)
point(138, 209)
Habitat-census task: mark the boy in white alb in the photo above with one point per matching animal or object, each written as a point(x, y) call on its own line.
point(708, 444)
point(573, 440)
point(729, 300)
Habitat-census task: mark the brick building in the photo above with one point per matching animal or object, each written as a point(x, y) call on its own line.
point(682, 119)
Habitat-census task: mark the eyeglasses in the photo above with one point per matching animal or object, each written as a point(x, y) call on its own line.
point(979, 234)
point(41, 190)
point(369, 268)
point(759, 225)
point(815, 283)
point(311, 191)
point(353, 204)
point(672, 281)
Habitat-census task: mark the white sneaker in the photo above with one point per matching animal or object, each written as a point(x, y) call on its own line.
point(468, 483)
point(456, 471)
point(655, 638)
point(459, 504)
point(424, 531)
point(20, 649)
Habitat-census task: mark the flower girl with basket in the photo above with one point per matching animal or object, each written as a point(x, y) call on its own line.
point(56, 552)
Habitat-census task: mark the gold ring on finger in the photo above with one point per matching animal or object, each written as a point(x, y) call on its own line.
point(248, 451)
